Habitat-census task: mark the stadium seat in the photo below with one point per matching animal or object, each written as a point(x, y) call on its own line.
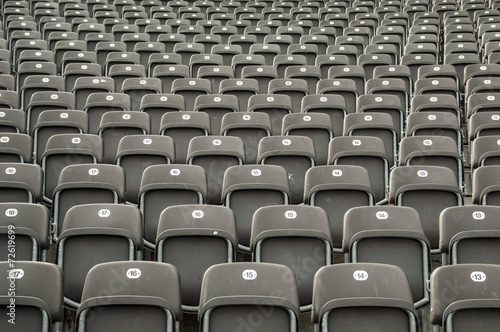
point(474, 301)
point(215, 154)
point(192, 238)
point(468, 234)
point(86, 184)
point(99, 103)
point(29, 225)
point(246, 188)
point(135, 153)
point(16, 148)
point(368, 294)
point(372, 232)
point(84, 243)
point(163, 186)
point(67, 149)
point(21, 183)
point(233, 293)
point(182, 127)
point(149, 300)
point(40, 307)
point(427, 189)
point(294, 236)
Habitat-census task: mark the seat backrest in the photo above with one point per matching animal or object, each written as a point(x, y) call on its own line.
point(12, 120)
point(429, 190)
point(432, 150)
point(21, 183)
point(336, 189)
point(168, 185)
point(366, 151)
point(85, 184)
point(38, 289)
point(113, 230)
point(30, 224)
point(215, 154)
point(474, 289)
point(193, 237)
point(295, 236)
point(294, 153)
point(485, 185)
point(232, 293)
point(52, 122)
point(17, 148)
point(68, 149)
point(216, 106)
point(246, 188)
point(375, 124)
point(382, 228)
point(136, 152)
point(469, 234)
point(366, 292)
point(150, 297)
point(316, 126)
point(116, 124)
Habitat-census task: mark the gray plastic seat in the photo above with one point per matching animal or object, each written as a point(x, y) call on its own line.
point(485, 185)
point(99, 103)
point(371, 234)
point(295, 88)
point(483, 124)
point(295, 236)
point(484, 151)
point(469, 234)
point(369, 295)
point(117, 124)
point(331, 104)
point(85, 86)
point(242, 88)
point(192, 238)
point(163, 186)
point(182, 127)
point(52, 122)
point(295, 154)
point(275, 105)
point(378, 125)
point(246, 188)
point(216, 106)
point(67, 149)
point(336, 189)
point(86, 184)
point(16, 148)
point(149, 300)
point(432, 150)
point(135, 153)
point(40, 307)
point(137, 87)
point(215, 74)
point(93, 234)
point(191, 88)
point(12, 121)
point(250, 127)
point(365, 151)
point(345, 87)
point(29, 224)
point(435, 124)
point(21, 183)
point(215, 154)
point(317, 126)
point(427, 189)
point(475, 303)
point(232, 293)
point(156, 105)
